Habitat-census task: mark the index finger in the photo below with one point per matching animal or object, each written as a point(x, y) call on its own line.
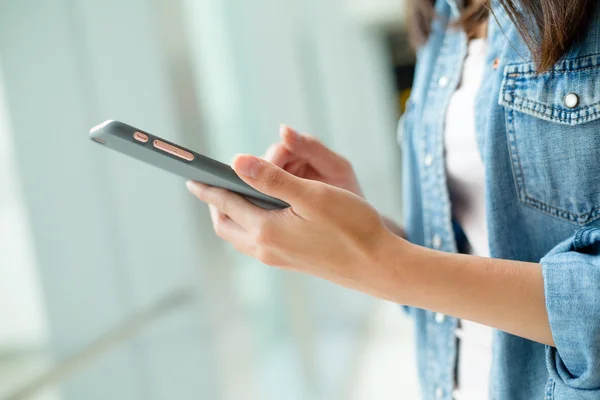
point(279, 155)
point(240, 210)
point(311, 149)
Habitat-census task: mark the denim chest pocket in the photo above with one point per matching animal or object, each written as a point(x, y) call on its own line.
point(553, 131)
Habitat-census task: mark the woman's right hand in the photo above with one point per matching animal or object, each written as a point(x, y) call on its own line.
point(306, 157)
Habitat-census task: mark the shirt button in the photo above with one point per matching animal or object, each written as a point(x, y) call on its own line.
point(428, 160)
point(443, 81)
point(571, 100)
point(437, 241)
point(496, 63)
point(439, 393)
point(440, 318)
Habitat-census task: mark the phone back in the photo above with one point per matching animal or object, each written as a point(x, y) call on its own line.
point(185, 163)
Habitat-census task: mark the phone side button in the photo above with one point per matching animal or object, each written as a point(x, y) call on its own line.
point(140, 137)
point(176, 151)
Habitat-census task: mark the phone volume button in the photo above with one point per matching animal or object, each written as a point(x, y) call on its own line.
point(177, 152)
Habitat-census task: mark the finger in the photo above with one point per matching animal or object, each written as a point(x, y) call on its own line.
point(297, 168)
point(270, 179)
point(228, 230)
point(319, 156)
point(217, 216)
point(279, 155)
point(268, 154)
point(244, 213)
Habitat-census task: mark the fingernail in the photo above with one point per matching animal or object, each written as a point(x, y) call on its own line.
point(190, 186)
point(196, 188)
point(234, 157)
point(282, 129)
point(247, 166)
point(292, 134)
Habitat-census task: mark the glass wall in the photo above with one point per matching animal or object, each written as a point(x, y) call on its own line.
point(101, 296)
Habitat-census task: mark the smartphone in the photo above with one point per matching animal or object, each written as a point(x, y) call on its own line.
point(177, 159)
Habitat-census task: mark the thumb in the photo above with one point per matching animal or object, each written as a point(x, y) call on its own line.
point(268, 178)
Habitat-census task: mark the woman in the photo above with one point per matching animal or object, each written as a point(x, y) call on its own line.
point(501, 142)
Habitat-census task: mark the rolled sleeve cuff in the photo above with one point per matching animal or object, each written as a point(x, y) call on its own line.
point(572, 288)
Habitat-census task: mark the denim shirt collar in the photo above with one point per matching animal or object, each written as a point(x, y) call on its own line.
point(455, 7)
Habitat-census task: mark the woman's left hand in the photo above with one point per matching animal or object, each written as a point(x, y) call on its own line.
point(327, 231)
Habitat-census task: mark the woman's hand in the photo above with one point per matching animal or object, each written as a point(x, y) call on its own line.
point(334, 234)
point(306, 157)
point(327, 232)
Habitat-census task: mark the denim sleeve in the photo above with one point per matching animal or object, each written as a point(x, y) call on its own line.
point(572, 288)
point(410, 189)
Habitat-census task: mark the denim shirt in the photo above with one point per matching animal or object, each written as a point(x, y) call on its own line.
point(539, 138)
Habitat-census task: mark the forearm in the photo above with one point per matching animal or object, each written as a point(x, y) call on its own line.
point(507, 295)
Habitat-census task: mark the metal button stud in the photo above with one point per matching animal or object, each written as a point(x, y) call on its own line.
point(440, 318)
point(428, 160)
point(439, 392)
point(443, 81)
point(571, 100)
point(437, 241)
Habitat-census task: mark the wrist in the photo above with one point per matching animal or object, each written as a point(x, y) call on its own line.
point(396, 260)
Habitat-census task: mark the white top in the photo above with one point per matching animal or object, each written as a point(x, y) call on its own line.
point(466, 186)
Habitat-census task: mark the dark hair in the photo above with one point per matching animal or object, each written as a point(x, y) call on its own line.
point(548, 27)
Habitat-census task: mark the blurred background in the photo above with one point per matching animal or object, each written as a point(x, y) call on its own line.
point(100, 301)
